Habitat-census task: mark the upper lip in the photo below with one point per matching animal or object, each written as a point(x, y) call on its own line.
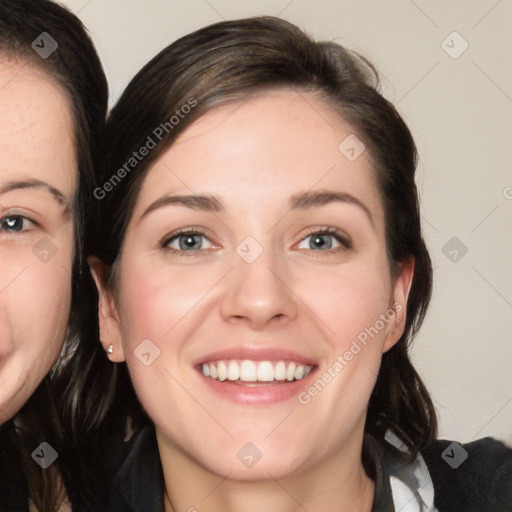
point(255, 353)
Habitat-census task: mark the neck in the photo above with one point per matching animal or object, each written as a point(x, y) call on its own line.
point(339, 484)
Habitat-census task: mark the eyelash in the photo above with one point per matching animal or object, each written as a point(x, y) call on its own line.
point(345, 242)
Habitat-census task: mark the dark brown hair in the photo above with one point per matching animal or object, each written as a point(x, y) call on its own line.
point(48, 415)
point(230, 61)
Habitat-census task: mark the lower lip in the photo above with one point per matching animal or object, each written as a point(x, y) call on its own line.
point(263, 394)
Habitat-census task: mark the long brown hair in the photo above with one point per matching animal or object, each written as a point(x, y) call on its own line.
point(228, 62)
point(75, 67)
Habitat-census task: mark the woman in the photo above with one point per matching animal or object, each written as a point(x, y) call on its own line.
point(261, 270)
point(53, 100)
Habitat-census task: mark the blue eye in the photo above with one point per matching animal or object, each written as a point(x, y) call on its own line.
point(187, 241)
point(14, 223)
point(323, 240)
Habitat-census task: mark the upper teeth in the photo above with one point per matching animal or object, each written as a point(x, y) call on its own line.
point(253, 371)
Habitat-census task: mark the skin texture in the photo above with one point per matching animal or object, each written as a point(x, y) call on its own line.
point(35, 296)
point(295, 296)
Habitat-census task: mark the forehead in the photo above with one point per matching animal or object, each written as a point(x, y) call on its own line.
point(36, 128)
point(259, 150)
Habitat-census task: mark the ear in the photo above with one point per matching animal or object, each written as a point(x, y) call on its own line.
point(401, 289)
point(110, 332)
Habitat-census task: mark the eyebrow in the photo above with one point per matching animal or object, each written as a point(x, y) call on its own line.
point(38, 184)
point(307, 200)
point(301, 201)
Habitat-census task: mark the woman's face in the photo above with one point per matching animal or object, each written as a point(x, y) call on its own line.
point(255, 280)
point(37, 182)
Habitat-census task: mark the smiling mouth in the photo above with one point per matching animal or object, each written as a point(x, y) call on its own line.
point(255, 373)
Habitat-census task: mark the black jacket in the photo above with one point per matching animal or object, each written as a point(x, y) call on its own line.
point(483, 482)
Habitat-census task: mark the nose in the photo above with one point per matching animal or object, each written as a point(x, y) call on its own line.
point(259, 293)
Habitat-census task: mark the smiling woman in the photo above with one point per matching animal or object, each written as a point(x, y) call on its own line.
point(53, 99)
point(270, 247)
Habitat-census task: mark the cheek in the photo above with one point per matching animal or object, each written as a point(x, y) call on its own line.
point(350, 302)
point(160, 312)
point(354, 303)
point(43, 317)
point(36, 296)
point(154, 303)
point(347, 300)
point(34, 313)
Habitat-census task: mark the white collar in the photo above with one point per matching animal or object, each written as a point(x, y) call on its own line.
point(403, 498)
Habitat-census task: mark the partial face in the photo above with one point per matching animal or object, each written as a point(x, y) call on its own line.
point(37, 182)
point(256, 309)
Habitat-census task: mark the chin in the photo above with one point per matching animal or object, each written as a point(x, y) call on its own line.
point(260, 470)
point(253, 461)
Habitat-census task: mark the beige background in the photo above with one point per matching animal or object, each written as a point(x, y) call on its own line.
point(460, 112)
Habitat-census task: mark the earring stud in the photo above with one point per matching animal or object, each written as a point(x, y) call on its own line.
point(109, 349)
